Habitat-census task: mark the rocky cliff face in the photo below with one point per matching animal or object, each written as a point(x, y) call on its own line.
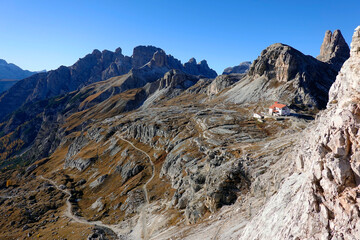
point(320, 200)
point(201, 68)
point(94, 67)
point(223, 81)
point(334, 50)
point(282, 73)
point(241, 68)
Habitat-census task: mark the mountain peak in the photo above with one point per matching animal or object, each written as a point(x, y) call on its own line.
point(278, 60)
point(118, 51)
point(96, 52)
point(143, 54)
point(192, 61)
point(334, 49)
point(282, 73)
point(3, 62)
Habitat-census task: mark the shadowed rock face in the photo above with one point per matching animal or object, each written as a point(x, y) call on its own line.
point(334, 49)
point(201, 68)
point(142, 55)
point(94, 67)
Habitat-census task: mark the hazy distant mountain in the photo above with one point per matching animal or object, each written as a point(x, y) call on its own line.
point(10, 73)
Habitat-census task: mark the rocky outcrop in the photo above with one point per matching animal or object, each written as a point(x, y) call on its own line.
point(170, 85)
point(128, 170)
point(201, 68)
point(323, 200)
point(334, 50)
point(282, 73)
point(223, 81)
point(241, 68)
point(142, 55)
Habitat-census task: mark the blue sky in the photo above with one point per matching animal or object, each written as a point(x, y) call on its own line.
point(46, 34)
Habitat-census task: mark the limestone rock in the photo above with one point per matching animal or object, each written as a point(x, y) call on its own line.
point(98, 181)
point(241, 68)
point(223, 81)
point(282, 73)
point(201, 68)
point(143, 54)
point(129, 170)
point(98, 204)
point(334, 49)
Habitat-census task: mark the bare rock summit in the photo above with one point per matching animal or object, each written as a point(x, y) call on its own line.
point(282, 73)
point(334, 49)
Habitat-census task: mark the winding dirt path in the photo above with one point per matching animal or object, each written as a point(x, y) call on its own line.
point(152, 168)
point(143, 210)
point(69, 213)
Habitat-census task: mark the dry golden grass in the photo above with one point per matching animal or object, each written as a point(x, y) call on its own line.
point(90, 98)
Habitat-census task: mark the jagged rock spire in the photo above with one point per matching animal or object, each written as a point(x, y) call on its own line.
point(334, 49)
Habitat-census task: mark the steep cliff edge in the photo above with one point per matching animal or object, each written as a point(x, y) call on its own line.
point(321, 199)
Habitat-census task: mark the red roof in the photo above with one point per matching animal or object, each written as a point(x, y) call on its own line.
point(277, 105)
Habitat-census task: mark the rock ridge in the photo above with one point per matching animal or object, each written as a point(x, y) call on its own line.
point(94, 67)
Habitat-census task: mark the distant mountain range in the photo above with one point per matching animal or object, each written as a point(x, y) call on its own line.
point(10, 73)
point(95, 67)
